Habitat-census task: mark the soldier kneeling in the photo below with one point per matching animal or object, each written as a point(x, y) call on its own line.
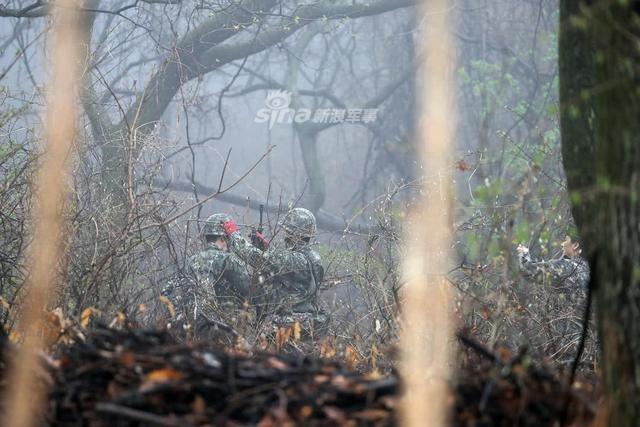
point(290, 275)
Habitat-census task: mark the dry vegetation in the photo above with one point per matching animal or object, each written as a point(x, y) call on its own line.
point(122, 352)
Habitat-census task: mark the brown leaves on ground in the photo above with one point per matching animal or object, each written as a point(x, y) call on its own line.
point(58, 329)
point(115, 375)
point(503, 388)
point(147, 372)
point(159, 376)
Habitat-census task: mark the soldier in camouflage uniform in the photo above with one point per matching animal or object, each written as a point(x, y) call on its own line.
point(568, 274)
point(290, 276)
point(562, 289)
point(218, 280)
point(220, 270)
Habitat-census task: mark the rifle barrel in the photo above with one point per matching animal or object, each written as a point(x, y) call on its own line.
point(261, 212)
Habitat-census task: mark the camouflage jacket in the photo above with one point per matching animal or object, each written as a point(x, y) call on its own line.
point(290, 277)
point(567, 274)
point(222, 273)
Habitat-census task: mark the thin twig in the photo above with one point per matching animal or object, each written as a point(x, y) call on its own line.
point(135, 414)
point(217, 193)
point(224, 169)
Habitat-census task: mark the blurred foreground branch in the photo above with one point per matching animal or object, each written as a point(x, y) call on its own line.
point(426, 334)
point(26, 394)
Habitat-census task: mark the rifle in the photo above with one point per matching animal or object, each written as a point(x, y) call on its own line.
point(257, 241)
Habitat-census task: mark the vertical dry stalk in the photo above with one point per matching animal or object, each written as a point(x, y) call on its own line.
point(427, 328)
point(26, 393)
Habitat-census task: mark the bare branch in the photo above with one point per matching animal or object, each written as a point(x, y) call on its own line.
point(214, 193)
point(42, 8)
point(326, 221)
point(189, 65)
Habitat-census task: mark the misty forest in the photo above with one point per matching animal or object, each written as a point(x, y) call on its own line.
point(320, 212)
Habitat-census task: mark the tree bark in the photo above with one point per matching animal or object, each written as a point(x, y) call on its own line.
point(601, 148)
point(576, 53)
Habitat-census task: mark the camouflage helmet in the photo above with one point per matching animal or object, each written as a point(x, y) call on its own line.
point(214, 225)
point(300, 222)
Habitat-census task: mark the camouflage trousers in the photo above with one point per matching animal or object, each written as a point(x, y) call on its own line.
point(198, 312)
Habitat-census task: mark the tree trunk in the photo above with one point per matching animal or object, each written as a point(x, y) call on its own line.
point(315, 191)
point(603, 176)
point(576, 52)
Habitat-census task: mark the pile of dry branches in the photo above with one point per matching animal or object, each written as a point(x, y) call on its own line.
point(141, 377)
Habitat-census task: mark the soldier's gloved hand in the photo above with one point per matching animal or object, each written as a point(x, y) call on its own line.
point(230, 227)
point(258, 240)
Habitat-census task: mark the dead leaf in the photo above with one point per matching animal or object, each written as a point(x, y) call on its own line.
point(163, 375)
point(55, 326)
point(274, 363)
point(519, 369)
point(86, 316)
point(199, 406)
point(118, 321)
point(327, 348)
point(267, 421)
point(335, 414)
point(374, 374)
point(340, 382)
point(169, 305)
point(321, 379)
point(504, 352)
point(127, 359)
point(55, 318)
point(113, 389)
point(463, 166)
point(374, 358)
point(306, 411)
point(282, 337)
point(297, 331)
point(389, 402)
point(372, 415)
point(160, 376)
point(351, 357)
point(486, 313)
point(241, 346)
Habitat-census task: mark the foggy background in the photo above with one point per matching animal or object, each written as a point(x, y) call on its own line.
point(205, 70)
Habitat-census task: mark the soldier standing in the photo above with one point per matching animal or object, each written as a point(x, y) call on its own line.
point(290, 275)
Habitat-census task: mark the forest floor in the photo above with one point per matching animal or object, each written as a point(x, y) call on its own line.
point(137, 377)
